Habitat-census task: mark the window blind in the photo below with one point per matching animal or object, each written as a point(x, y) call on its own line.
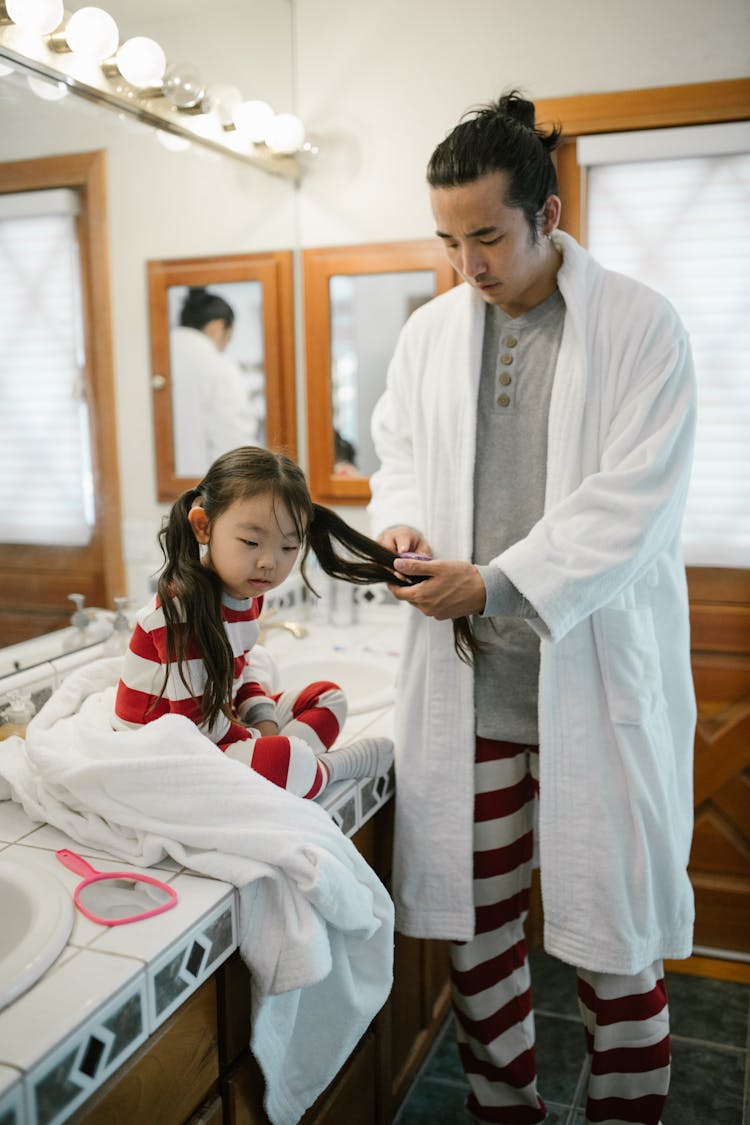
point(46, 480)
point(682, 226)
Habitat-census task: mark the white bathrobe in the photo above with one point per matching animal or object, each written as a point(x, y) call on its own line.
point(604, 571)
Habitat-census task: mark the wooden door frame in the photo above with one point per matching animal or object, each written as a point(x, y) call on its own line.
point(35, 577)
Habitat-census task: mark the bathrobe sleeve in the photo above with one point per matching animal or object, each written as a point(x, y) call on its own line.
point(396, 498)
point(606, 533)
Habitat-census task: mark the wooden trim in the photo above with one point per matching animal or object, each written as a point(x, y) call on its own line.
point(715, 968)
point(657, 107)
point(99, 566)
point(734, 586)
point(319, 266)
point(273, 270)
point(571, 186)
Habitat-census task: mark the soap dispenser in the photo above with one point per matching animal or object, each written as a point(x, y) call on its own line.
point(15, 715)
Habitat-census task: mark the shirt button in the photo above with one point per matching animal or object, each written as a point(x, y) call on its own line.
point(503, 400)
point(506, 359)
point(505, 379)
point(510, 341)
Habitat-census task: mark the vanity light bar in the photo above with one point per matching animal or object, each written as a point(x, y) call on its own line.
point(50, 58)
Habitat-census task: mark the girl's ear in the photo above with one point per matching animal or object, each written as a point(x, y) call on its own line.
point(199, 523)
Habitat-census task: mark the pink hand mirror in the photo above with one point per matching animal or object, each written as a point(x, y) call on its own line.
point(114, 897)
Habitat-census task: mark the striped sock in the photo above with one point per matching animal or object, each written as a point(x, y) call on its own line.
point(367, 757)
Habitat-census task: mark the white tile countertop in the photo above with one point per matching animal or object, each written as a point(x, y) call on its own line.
point(112, 986)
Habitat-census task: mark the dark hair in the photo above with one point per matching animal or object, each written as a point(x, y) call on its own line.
point(190, 593)
point(501, 137)
point(200, 307)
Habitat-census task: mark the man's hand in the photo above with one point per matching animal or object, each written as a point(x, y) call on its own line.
point(403, 538)
point(450, 589)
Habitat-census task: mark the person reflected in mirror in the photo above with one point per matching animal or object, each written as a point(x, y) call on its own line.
point(212, 408)
point(226, 544)
point(344, 457)
point(535, 438)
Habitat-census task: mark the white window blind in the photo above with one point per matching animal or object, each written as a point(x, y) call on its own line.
point(46, 482)
point(681, 224)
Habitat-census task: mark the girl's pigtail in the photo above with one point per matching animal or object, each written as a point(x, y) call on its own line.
point(367, 562)
point(190, 598)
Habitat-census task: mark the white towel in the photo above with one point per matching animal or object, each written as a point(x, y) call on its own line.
point(316, 924)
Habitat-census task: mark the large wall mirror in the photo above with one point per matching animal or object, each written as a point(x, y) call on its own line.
point(215, 389)
point(154, 202)
point(357, 299)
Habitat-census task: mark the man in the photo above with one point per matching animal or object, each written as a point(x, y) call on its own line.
point(535, 438)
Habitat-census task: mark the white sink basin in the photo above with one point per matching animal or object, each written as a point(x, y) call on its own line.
point(37, 914)
point(368, 686)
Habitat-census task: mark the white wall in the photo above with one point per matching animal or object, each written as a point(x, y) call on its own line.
point(382, 83)
point(379, 84)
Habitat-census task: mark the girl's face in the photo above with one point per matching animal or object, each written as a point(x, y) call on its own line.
point(252, 545)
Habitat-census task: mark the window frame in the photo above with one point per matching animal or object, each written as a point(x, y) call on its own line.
point(35, 580)
point(658, 107)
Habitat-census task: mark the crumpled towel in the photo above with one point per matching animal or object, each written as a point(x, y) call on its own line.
point(315, 922)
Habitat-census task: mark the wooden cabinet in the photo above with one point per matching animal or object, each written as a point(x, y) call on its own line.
point(171, 1077)
point(197, 1069)
point(417, 1007)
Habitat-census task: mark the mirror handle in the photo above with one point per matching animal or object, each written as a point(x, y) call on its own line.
point(75, 863)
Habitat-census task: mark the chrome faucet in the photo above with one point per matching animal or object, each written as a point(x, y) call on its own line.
point(268, 621)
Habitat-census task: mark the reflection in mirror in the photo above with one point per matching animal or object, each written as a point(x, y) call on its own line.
point(119, 899)
point(216, 360)
point(357, 298)
point(222, 353)
point(367, 314)
point(144, 201)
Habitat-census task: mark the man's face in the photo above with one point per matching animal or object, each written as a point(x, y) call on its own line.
point(491, 245)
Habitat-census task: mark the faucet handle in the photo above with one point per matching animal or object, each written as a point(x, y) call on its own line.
point(80, 618)
point(121, 619)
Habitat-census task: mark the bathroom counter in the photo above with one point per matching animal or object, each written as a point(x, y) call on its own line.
point(113, 987)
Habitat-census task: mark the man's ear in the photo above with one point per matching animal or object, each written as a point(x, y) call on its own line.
point(551, 214)
point(199, 523)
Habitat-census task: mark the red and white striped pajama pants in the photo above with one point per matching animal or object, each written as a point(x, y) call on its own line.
point(309, 722)
point(626, 1018)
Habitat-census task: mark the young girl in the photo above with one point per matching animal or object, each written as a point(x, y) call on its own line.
point(226, 543)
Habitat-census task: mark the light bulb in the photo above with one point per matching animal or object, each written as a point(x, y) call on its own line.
point(141, 61)
point(183, 85)
point(252, 119)
point(38, 16)
point(206, 125)
point(49, 91)
point(221, 100)
point(285, 133)
point(92, 34)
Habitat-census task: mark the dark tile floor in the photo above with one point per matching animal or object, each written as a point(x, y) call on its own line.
point(710, 1046)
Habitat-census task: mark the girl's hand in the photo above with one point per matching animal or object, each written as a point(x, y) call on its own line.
point(449, 589)
point(267, 727)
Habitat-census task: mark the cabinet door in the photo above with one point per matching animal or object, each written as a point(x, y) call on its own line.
point(419, 1003)
point(173, 1072)
point(350, 1098)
